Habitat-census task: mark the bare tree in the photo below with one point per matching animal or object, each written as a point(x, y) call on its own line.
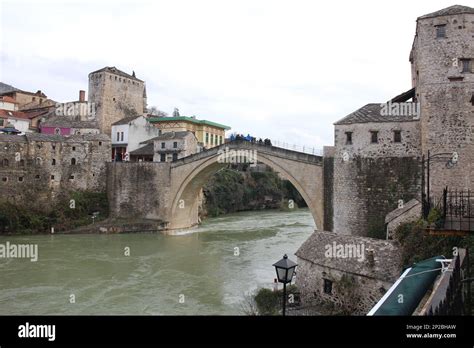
point(156, 112)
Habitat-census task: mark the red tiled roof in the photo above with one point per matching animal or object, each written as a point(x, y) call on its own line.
point(14, 114)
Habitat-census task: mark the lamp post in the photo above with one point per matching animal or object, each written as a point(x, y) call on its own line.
point(285, 270)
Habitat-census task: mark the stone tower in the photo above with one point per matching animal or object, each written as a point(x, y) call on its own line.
point(116, 95)
point(442, 61)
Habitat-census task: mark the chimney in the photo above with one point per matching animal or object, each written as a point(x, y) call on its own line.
point(82, 96)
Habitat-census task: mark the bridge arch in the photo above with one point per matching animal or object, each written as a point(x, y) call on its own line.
point(189, 176)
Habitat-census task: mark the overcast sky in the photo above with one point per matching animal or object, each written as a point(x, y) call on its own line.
point(280, 69)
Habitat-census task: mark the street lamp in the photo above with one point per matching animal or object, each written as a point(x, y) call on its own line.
point(285, 270)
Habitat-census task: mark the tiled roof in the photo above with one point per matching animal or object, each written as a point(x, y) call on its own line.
point(14, 114)
point(187, 119)
point(114, 70)
point(387, 261)
point(125, 120)
point(372, 113)
point(145, 150)
point(452, 10)
point(168, 136)
point(4, 88)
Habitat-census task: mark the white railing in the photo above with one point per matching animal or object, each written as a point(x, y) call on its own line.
point(300, 148)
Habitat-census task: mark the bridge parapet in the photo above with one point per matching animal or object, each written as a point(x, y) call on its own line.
point(259, 148)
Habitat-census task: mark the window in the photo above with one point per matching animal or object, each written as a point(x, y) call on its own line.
point(118, 136)
point(73, 148)
point(348, 138)
point(220, 139)
point(37, 176)
point(54, 147)
point(472, 99)
point(57, 131)
point(163, 145)
point(175, 145)
point(163, 157)
point(5, 162)
point(22, 163)
point(327, 286)
point(1, 122)
point(466, 65)
point(121, 136)
point(73, 161)
point(100, 143)
point(52, 177)
point(71, 177)
point(212, 139)
point(207, 138)
point(374, 137)
point(53, 162)
point(397, 136)
point(440, 31)
point(4, 179)
point(175, 157)
point(20, 178)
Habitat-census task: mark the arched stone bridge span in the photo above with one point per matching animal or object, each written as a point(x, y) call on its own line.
point(170, 191)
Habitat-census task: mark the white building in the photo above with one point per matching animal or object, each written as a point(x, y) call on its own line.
point(18, 119)
point(8, 103)
point(128, 133)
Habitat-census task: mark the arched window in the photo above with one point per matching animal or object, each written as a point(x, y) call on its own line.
point(38, 161)
point(53, 162)
point(57, 131)
point(22, 163)
point(73, 161)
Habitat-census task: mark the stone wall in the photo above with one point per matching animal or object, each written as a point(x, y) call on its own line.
point(356, 283)
point(35, 168)
point(370, 179)
point(328, 192)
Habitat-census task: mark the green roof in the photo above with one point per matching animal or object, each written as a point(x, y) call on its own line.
point(188, 119)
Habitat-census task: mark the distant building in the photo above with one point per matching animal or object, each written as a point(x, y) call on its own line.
point(128, 133)
point(208, 134)
point(8, 103)
point(18, 119)
point(116, 95)
point(23, 98)
point(167, 147)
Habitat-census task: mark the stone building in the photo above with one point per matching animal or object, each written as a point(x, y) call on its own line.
point(442, 65)
point(34, 168)
point(377, 156)
point(116, 95)
point(342, 274)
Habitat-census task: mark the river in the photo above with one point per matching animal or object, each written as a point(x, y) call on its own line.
point(203, 271)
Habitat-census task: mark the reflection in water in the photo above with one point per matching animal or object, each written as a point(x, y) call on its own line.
point(196, 272)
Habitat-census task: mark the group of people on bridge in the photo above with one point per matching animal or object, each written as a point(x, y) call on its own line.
point(251, 139)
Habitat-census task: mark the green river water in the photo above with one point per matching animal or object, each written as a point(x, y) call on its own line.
point(196, 272)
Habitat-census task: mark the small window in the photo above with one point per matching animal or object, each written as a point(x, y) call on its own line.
point(54, 147)
point(175, 145)
point(121, 136)
point(348, 138)
point(466, 65)
point(100, 143)
point(220, 139)
point(4, 179)
point(327, 286)
point(53, 162)
point(118, 136)
point(472, 99)
point(163, 145)
point(207, 138)
point(374, 137)
point(440, 31)
point(212, 139)
point(175, 157)
point(5, 162)
point(163, 157)
point(22, 163)
point(397, 136)
point(71, 177)
point(57, 131)
point(73, 148)
point(52, 177)
point(73, 161)
point(37, 176)
point(20, 178)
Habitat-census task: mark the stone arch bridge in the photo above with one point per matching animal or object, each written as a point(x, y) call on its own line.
point(169, 191)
